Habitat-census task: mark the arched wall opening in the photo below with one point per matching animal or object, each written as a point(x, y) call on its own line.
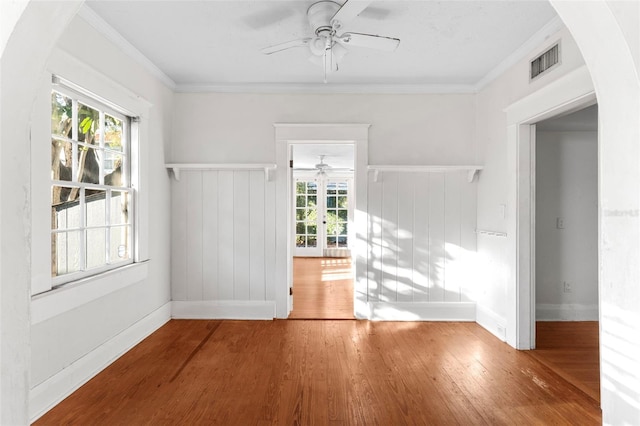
point(605, 34)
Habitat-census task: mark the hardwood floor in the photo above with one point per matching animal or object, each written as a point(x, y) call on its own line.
point(322, 288)
point(326, 373)
point(571, 350)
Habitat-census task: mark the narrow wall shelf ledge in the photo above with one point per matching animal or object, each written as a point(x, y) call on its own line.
point(472, 170)
point(177, 168)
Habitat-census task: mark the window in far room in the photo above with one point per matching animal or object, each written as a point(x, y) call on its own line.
point(91, 194)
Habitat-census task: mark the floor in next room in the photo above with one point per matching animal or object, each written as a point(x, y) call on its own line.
point(571, 350)
point(322, 288)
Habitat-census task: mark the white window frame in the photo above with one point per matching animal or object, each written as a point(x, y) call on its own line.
point(85, 97)
point(44, 296)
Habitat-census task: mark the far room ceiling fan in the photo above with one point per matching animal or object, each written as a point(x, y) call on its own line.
point(322, 168)
point(326, 19)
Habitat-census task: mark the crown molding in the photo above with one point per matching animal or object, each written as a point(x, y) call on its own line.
point(100, 25)
point(321, 88)
point(533, 43)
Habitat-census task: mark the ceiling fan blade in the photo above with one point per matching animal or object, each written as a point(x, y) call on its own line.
point(370, 41)
point(349, 10)
point(286, 45)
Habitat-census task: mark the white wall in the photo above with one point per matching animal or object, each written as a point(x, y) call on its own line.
point(64, 340)
point(493, 186)
point(567, 188)
point(405, 129)
point(223, 243)
point(422, 237)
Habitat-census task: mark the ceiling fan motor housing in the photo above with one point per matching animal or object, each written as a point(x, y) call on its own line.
point(320, 14)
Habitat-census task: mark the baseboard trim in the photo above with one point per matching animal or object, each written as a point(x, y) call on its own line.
point(49, 393)
point(566, 312)
point(492, 322)
point(223, 309)
point(422, 311)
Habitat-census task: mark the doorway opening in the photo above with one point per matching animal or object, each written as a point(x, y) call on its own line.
point(322, 216)
point(565, 175)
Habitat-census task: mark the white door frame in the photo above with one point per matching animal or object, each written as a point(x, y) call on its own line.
point(286, 135)
point(569, 93)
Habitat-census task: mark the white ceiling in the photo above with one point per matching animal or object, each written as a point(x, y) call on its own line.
point(339, 156)
point(217, 43)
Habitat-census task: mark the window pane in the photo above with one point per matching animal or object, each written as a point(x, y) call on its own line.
point(88, 124)
point(342, 242)
point(96, 248)
point(312, 230)
point(113, 168)
point(120, 243)
point(113, 133)
point(88, 165)
point(312, 188)
point(96, 211)
point(61, 156)
point(300, 228)
point(331, 241)
point(66, 252)
point(342, 202)
point(342, 215)
point(64, 214)
point(119, 207)
point(301, 201)
point(300, 214)
point(301, 241)
point(312, 242)
point(61, 115)
point(300, 187)
point(331, 202)
point(343, 229)
point(312, 201)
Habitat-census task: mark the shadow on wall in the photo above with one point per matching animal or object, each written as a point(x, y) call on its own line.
point(432, 270)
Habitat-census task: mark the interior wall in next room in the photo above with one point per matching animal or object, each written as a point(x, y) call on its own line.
point(566, 225)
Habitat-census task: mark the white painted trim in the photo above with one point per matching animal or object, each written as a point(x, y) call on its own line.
point(566, 312)
point(223, 309)
point(523, 51)
point(422, 311)
point(286, 135)
point(321, 88)
point(100, 25)
point(377, 169)
point(77, 293)
point(491, 321)
point(47, 394)
point(426, 169)
point(177, 168)
point(567, 94)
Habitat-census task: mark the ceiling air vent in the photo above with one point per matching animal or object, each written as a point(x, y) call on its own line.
point(544, 62)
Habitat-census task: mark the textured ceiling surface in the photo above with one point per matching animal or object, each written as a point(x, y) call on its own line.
point(218, 42)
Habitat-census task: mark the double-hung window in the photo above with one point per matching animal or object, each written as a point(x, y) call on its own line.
point(92, 198)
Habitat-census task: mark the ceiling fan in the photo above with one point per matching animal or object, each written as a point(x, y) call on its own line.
point(322, 168)
point(327, 47)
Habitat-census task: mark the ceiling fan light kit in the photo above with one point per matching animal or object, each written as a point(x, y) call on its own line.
point(328, 48)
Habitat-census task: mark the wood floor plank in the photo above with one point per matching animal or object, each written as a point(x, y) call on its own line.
point(324, 373)
point(322, 288)
point(571, 350)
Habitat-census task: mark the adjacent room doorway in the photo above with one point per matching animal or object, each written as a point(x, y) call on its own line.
point(322, 218)
point(565, 167)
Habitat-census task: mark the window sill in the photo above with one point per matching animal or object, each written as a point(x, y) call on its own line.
point(58, 301)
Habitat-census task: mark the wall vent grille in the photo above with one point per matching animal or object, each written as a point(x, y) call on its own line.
point(544, 62)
